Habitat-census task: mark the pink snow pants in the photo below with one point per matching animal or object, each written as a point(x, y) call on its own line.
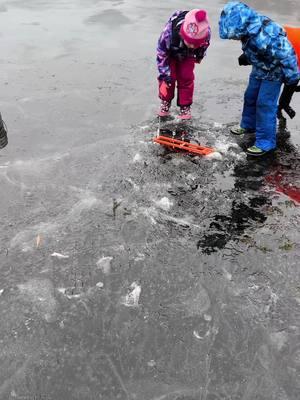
point(183, 73)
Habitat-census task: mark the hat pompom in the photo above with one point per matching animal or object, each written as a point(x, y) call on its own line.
point(200, 16)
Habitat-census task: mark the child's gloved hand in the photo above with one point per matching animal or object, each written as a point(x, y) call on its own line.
point(243, 60)
point(164, 86)
point(285, 99)
point(287, 94)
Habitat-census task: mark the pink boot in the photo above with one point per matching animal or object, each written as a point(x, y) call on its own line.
point(164, 110)
point(185, 112)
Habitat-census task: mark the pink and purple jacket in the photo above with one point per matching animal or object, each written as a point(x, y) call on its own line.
point(170, 45)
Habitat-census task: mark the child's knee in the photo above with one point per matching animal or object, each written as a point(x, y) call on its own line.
point(266, 105)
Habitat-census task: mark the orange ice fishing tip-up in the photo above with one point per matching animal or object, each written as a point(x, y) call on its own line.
point(189, 148)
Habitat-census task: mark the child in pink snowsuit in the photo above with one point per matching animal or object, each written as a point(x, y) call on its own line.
point(182, 43)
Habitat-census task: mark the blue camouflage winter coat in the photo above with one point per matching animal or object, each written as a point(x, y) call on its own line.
point(263, 41)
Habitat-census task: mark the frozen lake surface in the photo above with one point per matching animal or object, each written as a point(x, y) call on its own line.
point(128, 272)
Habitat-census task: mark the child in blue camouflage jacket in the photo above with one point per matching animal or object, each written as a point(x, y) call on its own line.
point(274, 62)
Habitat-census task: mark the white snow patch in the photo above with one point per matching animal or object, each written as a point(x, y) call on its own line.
point(148, 213)
point(132, 298)
point(65, 292)
point(214, 156)
point(151, 363)
point(137, 158)
point(104, 264)
point(218, 125)
point(192, 177)
point(225, 147)
point(197, 336)
point(164, 203)
point(140, 257)
point(144, 127)
point(227, 274)
point(59, 255)
point(154, 215)
point(73, 296)
point(61, 290)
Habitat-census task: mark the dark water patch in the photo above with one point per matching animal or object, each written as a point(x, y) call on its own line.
point(110, 18)
point(232, 227)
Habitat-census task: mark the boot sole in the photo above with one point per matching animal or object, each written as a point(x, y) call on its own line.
point(184, 118)
point(241, 134)
point(259, 154)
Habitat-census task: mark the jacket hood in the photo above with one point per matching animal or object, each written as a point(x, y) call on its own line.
point(238, 21)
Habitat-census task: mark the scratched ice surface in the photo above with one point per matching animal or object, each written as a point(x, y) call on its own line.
point(128, 272)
